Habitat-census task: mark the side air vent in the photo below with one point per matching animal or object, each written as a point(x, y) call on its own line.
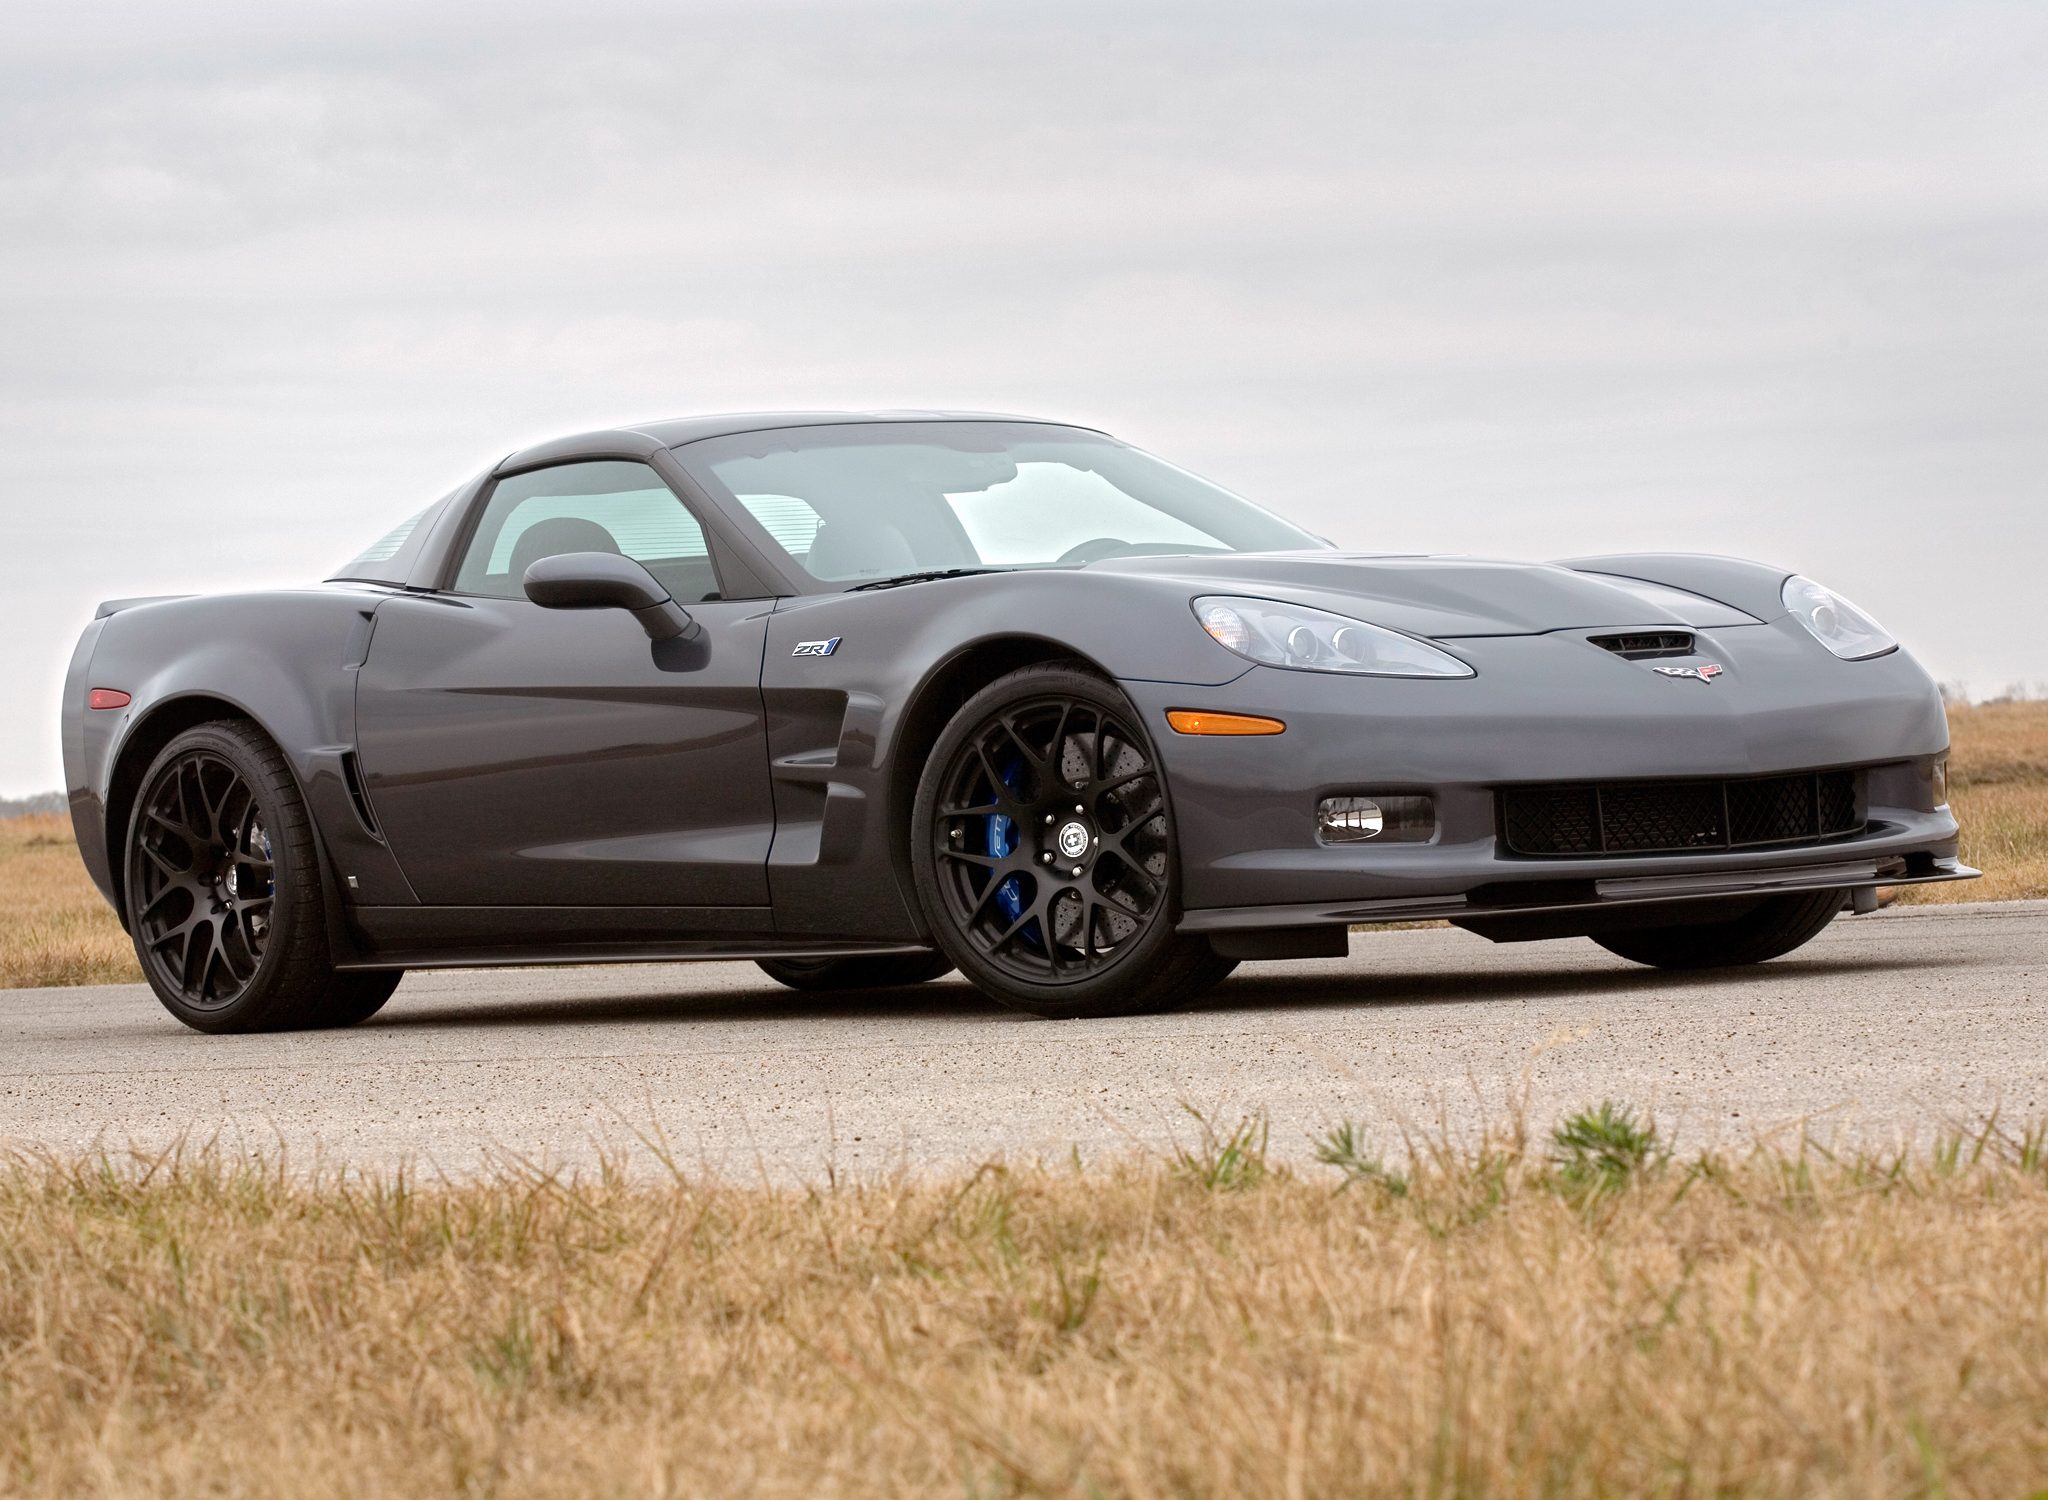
point(1641, 645)
point(359, 798)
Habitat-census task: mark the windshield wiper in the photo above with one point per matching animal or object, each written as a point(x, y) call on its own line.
point(924, 577)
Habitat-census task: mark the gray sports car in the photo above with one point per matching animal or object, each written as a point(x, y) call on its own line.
point(870, 697)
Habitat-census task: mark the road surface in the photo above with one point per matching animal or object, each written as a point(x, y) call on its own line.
point(1883, 1028)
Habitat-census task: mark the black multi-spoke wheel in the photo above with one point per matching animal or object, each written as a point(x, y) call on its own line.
point(1050, 838)
point(205, 880)
point(1045, 852)
point(224, 896)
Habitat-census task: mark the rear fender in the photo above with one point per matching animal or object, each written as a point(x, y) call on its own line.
point(287, 663)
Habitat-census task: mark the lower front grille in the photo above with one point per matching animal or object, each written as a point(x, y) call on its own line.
point(1669, 817)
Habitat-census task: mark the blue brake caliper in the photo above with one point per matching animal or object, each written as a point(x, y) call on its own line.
point(1002, 842)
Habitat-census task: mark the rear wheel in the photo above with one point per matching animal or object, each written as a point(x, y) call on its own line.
point(224, 895)
point(881, 971)
point(1773, 927)
point(1045, 853)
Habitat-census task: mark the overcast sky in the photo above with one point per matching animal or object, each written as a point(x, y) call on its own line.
point(1534, 280)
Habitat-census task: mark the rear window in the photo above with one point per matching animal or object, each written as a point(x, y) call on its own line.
point(389, 559)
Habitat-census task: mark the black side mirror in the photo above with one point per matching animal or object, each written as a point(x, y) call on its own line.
point(605, 580)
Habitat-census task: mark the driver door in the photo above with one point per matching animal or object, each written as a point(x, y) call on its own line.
point(517, 756)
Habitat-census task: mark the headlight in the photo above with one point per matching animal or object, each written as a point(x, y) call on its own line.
point(1835, 622)
point(1314, 640)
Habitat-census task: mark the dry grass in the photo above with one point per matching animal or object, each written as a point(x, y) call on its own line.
point(1485, 1324)
point(1998, 785)
point(1999, 744)
point(55, 927)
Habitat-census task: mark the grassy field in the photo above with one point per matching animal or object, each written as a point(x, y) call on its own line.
point(55, 929)
point(1582, 1316)
point(1998, 785)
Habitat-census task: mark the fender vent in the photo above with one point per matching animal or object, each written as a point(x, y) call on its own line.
point(1677, 817)
point(1641, 645)
point(359, 798)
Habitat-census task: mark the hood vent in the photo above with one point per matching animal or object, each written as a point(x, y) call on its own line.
point(1641, 645)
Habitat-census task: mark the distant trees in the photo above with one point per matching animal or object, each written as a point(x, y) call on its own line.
point(22, 807)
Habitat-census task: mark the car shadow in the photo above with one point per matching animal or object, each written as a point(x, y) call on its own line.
point(1264, 989)
point(1442, 986)
point(951, 997)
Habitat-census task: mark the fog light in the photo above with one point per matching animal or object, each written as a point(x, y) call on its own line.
point(1385, 820)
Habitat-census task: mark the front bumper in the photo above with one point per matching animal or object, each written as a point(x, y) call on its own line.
point(1590, 895)
point(1542, 709)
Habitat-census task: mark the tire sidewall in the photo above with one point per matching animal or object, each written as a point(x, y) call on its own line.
point(275, 802)
point(1776, 926)
point(1102, 990)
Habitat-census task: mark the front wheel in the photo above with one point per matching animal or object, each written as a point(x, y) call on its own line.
point(1773, 927)
point(224, 894)
point(1045, 852)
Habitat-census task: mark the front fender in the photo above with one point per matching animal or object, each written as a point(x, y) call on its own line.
point(1755, 588)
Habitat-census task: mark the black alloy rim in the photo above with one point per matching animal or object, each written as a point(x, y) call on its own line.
point(203, 880)
point(1052, 840)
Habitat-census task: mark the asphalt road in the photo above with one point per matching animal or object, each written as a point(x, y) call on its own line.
point(1884, 1027)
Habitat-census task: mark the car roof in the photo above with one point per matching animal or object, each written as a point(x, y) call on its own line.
point(673, 432)
point(678, 430)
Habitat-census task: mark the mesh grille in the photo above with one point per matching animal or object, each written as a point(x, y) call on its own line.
point(1761, 812)
point(1639, 817)
point(1840, 802)
point(1553, 820)
point(1678, 815)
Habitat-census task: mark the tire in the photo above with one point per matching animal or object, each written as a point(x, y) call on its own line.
point(1773, 927)
point(883, 971)
point(1044, 852)
point(223, 892)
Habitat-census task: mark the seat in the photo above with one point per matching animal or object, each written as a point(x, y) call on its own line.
point(846, 550)
point(555, 536)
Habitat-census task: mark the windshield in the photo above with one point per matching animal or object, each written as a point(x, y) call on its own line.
point(885, 499)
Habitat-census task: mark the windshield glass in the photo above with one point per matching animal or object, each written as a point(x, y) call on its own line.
point(879, 500)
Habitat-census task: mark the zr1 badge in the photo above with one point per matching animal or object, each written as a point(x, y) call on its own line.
point(816, 648)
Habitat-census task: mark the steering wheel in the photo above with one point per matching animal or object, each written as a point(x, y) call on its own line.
point(1093, 550)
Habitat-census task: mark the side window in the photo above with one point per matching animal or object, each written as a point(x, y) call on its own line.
point(606, 506)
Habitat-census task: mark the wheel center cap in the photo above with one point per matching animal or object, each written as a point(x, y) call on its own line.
point(1073, 839)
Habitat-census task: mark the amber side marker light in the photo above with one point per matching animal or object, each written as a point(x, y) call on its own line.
point(1187, 721)
point(107, 698)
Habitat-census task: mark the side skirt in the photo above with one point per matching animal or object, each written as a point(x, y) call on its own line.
point(484, 937)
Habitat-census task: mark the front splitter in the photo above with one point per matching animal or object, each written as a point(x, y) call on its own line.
point(1615, 891)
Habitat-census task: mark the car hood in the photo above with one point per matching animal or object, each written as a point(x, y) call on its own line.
point(1441, 597)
